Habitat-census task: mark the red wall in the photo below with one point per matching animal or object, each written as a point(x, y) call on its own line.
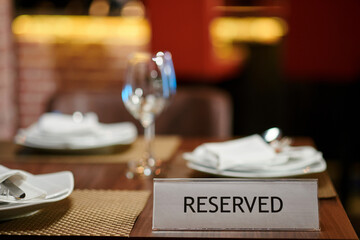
point(182, 27)
point(323, 40)
point(322, 43)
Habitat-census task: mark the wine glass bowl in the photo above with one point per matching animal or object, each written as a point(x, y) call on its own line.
point(149, 85)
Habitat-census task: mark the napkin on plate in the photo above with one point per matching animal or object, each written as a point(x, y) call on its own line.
point(37, 188)
point(19, 178)
point(77, 131)
point(253, 154)
point(249, 151)
point(62, 124)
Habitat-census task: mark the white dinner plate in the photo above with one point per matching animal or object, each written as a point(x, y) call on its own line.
point(58, 185)
point(105, 135)
point(318, 166)
point(291, 163)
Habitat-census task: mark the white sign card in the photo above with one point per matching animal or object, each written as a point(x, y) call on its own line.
point(230, 204)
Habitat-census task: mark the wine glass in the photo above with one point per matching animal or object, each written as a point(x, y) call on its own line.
point(150, 83)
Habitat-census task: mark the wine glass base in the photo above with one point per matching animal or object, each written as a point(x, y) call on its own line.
point(143, 168)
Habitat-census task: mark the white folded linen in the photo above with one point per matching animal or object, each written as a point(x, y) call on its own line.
point(104, 134)
point(253, 154)
point(63, 124)
point(248, 151)
point(19, 178)
point(60, 131)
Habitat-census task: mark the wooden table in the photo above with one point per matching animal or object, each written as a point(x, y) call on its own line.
point(334, 222)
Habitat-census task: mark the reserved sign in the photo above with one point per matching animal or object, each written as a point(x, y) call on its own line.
point(224, 204)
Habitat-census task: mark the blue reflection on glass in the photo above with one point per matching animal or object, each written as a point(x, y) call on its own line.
point(126, 92)
point(171, 73)
point(167, 73)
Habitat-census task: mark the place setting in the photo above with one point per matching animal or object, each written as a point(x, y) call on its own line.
point(256, 156)
point(23, 194)
point(47, 204)
point(77, 132)
point(149, 86)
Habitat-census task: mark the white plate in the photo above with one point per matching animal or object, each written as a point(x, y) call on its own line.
point(104, 136)
point(291, 163)
point(318, 166)
point(58, 185)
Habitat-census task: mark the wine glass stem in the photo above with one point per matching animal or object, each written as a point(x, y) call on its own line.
point(149, 133)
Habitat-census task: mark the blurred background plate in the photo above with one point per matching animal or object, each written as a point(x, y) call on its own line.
point(108, 135)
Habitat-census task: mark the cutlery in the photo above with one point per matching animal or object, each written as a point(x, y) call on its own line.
point(9, 188)
point(273, 136)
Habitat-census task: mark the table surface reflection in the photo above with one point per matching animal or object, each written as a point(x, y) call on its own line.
point(334, 222)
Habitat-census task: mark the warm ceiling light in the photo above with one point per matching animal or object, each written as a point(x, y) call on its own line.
point(83, 29)
point(266, 30)
point(99, 8)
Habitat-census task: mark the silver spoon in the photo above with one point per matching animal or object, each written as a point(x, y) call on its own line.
point(272, 134)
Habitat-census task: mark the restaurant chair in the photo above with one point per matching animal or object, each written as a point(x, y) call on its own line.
point(194, 111)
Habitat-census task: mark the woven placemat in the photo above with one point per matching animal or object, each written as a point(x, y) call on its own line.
point(163, 147)
point(84, 213)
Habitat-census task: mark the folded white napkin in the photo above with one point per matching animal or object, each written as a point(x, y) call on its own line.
point(19, 178)
point(77, 131)
point(61, 124)
point(253, 154)
point(248, 151)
